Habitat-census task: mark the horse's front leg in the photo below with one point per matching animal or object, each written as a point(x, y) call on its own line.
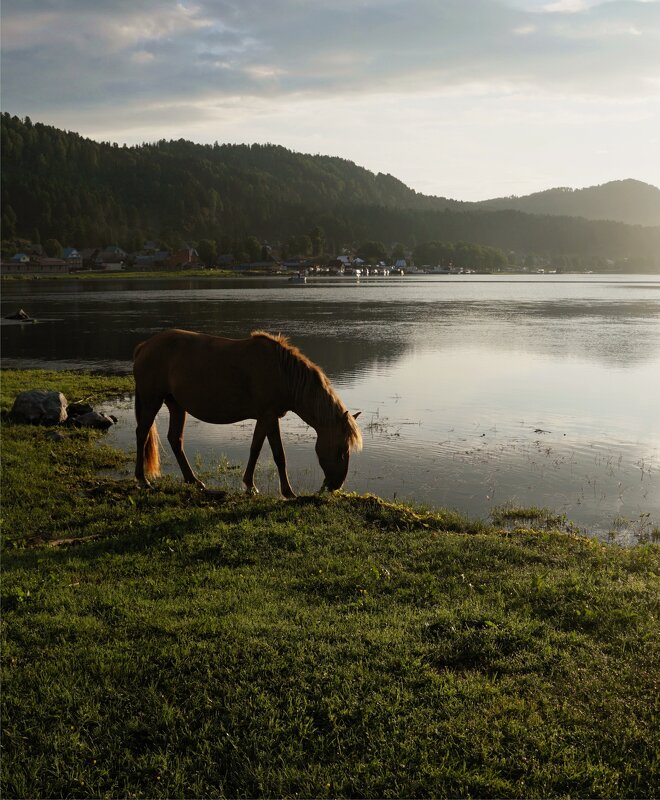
point(258, 437)
point(275, 442)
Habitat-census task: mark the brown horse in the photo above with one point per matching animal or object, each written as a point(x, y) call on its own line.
point(228, 380)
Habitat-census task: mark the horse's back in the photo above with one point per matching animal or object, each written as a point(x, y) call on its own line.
point(215, 378)
point(175, 340)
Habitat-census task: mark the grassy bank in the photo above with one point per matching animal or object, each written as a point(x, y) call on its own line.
point(144, 275)
point(168, 644)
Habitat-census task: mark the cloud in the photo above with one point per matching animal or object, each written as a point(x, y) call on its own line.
point(525, 30)
point(77, 53)
point(114, 27)
point(526, 91)
point(566, 6)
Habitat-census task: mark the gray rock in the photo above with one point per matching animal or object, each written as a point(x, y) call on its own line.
point(93, 420)
point(40, 407)
point(20, 315)
point(78, 409)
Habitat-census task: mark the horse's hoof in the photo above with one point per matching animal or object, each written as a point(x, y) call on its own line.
point(251, 490)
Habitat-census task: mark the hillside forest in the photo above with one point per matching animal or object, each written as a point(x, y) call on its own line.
point(61, 186)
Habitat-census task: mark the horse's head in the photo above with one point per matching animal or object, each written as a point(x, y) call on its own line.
point(333, 448)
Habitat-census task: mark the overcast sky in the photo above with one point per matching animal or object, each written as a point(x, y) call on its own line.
point(462, 98)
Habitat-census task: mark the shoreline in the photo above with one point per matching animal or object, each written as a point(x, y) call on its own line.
point(105, 385)
point(223, 274)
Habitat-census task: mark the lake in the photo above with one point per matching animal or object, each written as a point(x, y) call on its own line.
point(475, 391)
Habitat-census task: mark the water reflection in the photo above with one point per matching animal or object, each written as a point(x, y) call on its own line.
point(344, 327)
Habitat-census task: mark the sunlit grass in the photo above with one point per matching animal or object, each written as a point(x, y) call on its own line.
point(76, 386)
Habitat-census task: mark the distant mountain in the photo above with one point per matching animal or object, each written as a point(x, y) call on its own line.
point(629, 201)
point(59, 185)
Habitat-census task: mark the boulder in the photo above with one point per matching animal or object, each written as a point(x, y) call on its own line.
point(93, 420)
point(20, 315)
point(40, 407)
point(78, 409)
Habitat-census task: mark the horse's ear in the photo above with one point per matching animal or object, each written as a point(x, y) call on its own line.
point(348, 414)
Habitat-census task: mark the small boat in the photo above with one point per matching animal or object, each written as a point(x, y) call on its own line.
point(299, 278)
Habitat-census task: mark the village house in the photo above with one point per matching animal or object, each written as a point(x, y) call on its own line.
point(155, 259)
point(110, 258)
point(296, 264)
point(73, 258)
point(37, 265)
point(89, 256)
point(112, 254)
point(185, 258)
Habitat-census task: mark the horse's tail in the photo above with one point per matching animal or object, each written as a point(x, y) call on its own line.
point(151, 446)
point(152, 453)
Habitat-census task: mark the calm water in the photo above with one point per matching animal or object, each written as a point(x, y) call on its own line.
point(475, 390)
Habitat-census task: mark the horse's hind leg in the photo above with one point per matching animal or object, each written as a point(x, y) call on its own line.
point(175, 438)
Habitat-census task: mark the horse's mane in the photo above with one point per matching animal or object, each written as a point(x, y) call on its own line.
point(311, 387)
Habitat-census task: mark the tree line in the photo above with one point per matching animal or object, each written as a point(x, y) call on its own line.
point(60, 185)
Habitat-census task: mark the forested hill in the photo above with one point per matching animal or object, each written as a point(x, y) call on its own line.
point(629, 201)
point(63, 182)
point(84, 193)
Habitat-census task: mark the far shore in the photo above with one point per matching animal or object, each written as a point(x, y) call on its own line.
point(226, 273)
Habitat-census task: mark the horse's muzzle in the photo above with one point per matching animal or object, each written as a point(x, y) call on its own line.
point(326, 487)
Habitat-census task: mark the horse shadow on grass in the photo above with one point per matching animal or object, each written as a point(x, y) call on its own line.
point(159, 518)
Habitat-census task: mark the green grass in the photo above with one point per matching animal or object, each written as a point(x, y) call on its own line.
point(334, 645)
point(144, 274)
point(76, 386)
